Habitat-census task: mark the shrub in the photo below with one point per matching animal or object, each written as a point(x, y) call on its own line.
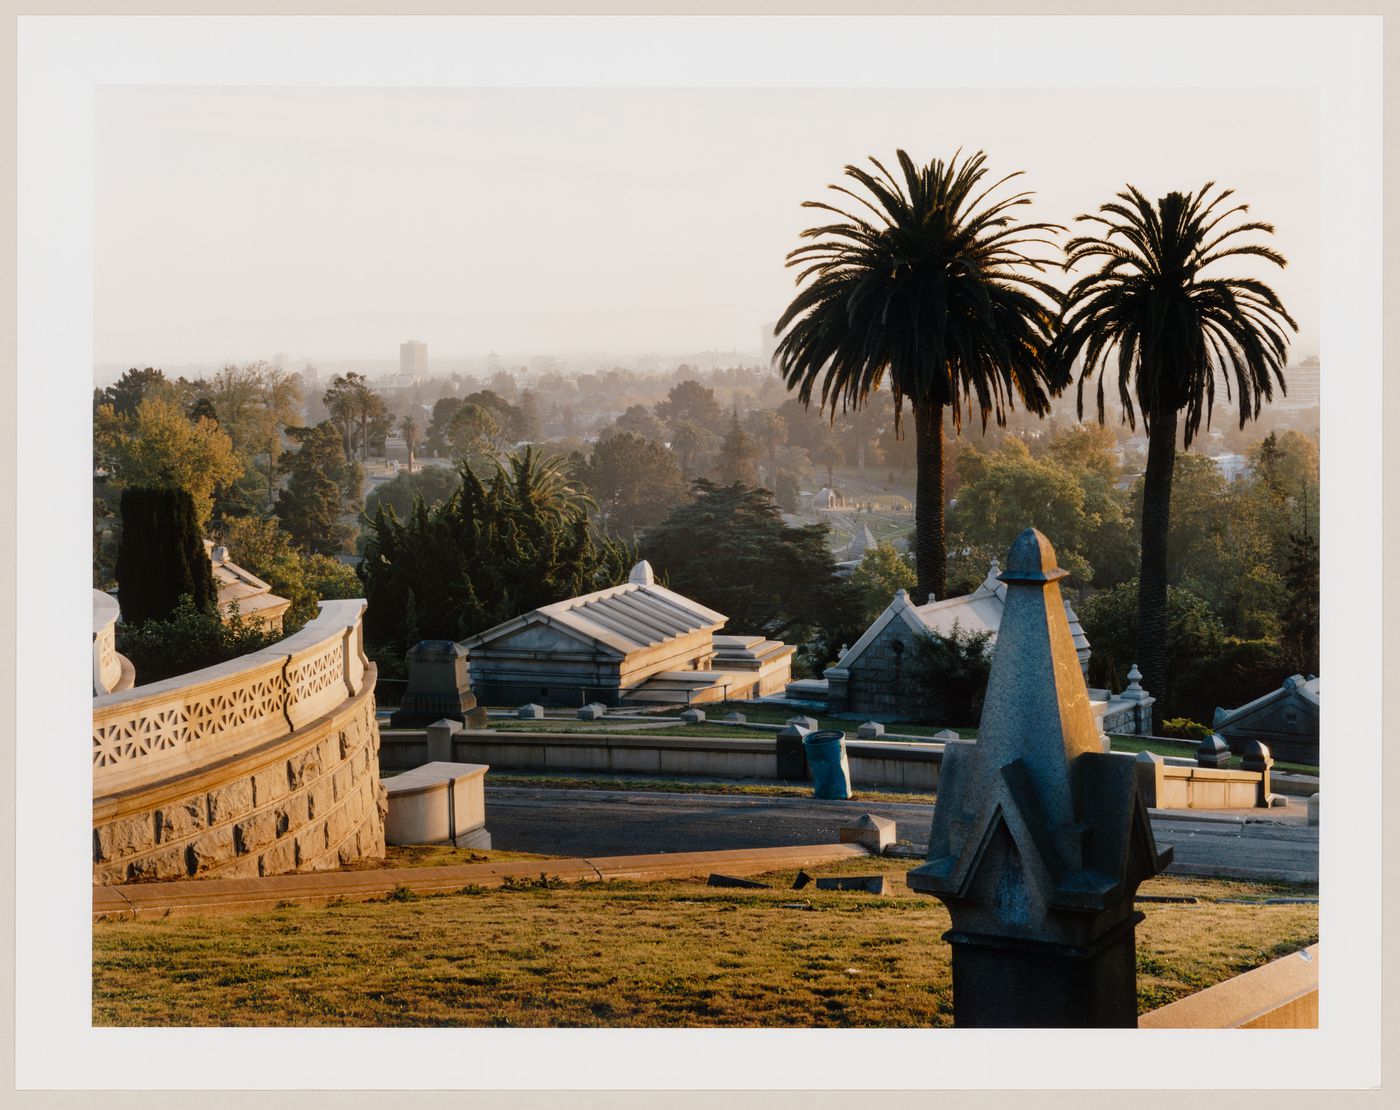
point(187, 640)
point(951, 675)
point(1183, 728)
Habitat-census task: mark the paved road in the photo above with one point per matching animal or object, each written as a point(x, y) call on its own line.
point(610, 823)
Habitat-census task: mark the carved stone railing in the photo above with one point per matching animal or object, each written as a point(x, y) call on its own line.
point(106, 663)
point(186, 723)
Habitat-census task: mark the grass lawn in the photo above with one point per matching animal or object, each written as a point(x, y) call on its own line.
point(1157, 747)
point(579, 780)
point(768, 715)
point(675, 953)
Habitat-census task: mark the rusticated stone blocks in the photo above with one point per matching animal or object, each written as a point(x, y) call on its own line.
point(314, 804)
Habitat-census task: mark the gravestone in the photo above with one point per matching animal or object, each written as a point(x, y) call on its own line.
point(791, 755)
point(871, 730)
point(876, 833)
point(946, 735)
point(530, 712)
point(1039, 838)
point(439, 735)
point(809, 723)
point(692, 716)
point(438, 686)
point(734, 719)
point(593, 711)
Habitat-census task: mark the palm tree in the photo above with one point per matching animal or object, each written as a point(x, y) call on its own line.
point(936, 294)
point(408, 428)
point(1148, 312)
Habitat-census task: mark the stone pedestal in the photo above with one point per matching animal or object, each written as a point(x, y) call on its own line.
point(1039, 838)
point(438, 686)
point(792, 756)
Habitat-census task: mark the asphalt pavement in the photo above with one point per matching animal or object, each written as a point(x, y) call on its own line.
point(606, 823)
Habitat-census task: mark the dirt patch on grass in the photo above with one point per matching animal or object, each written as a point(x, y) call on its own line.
point(676, 953)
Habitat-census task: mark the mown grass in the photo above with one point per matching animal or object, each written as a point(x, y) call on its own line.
point(624, 954)
point(713, 726)
point(571, 780)
point(1158, 747)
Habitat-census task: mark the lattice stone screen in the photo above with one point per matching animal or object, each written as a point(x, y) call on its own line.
point(184, 723)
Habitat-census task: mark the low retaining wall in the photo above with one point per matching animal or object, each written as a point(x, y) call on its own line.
point(265, 764)
point(1279, 995)
point(873, 763)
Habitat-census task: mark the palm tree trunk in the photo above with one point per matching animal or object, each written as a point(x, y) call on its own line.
point(1152, 577)
point(930, 544)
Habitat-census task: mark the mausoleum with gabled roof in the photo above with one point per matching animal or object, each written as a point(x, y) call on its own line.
point(868, 677)
point(638, 642)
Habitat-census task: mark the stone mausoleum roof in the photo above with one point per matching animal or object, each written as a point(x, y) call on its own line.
point(632, 617)
point(979, 611)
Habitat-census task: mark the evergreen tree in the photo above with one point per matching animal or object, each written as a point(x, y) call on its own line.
point(496, 548)
point(738, 457)
point(1301, 633)
point(162, 555)
point(310, 506)
point(729, 549)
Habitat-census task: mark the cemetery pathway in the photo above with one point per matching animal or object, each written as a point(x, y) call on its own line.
point(618, 822)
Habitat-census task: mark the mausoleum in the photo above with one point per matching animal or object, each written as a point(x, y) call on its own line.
point(243, 592)
point(868, 678)
point(637, 643)
point(1285, 719)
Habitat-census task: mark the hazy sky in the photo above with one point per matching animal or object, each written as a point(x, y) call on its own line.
point(335, 223)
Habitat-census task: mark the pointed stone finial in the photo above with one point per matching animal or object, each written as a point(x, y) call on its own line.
point(932, 598)
point(844, 648)
point(1134, 677)
point(641, 575)
point(1039, 838)
point(901, 597)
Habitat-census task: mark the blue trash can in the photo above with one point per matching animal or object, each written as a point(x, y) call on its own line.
point(826, 755)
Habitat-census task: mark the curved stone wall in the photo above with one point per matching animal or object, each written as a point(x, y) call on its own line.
point(262, 765)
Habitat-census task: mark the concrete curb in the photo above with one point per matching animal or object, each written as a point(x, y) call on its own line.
point(209, 896)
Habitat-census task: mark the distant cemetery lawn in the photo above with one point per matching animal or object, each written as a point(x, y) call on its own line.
point(673, 954)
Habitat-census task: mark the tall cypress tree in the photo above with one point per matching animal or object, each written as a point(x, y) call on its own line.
point(162, 555)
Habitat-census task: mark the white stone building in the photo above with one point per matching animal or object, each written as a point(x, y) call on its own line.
point(636, 643)
point(868, 676)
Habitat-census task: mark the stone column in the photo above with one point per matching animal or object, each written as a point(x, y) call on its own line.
point(1039, 838)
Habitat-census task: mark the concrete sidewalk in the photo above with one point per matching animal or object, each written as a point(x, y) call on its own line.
point(209, 896)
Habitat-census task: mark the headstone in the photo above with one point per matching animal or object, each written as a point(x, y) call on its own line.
point(730, 880)
point(692, 716)
point(809, 723)
point(801, 880)
point(791, 755)
point(530, 712)
point(871, 884)
point(439, 685)
point(876, 833)
point(735, 719)
point(871, 730)
point(593, 711)
point(439, 735)
point(1151, 777)
point(1312, 810)
point(1039, 839)
point(946, 735)
point(1213, 751)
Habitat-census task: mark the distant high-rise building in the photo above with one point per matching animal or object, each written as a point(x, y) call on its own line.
point(413, 357)
point(1304, 386)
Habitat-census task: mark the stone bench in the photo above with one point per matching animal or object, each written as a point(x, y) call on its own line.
point(438, 803)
